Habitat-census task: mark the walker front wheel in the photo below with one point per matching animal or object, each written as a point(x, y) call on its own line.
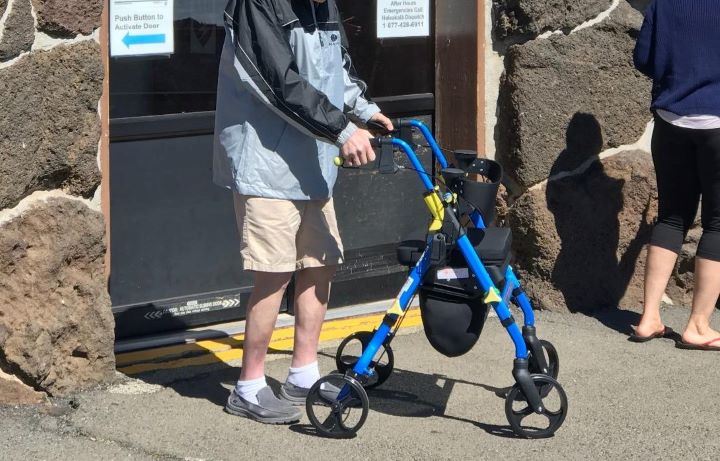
point(551, 358)
point(352, 348)
point(337, 406)
point(524, 421)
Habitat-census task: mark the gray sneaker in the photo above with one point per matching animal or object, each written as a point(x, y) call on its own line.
point(296, 395)
point(269, 410)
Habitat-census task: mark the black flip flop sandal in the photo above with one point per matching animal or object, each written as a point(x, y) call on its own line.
point(708, 346)
point(666, 332)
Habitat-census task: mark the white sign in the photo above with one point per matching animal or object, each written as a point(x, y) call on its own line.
point(141, 27)
point(403, 18)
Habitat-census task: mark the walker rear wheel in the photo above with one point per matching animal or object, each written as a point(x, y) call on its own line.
point(352, 348)
point(337, 406)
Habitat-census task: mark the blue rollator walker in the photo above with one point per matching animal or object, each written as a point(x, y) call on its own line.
point(460, 268)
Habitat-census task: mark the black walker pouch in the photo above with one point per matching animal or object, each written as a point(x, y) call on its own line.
point(453, 318)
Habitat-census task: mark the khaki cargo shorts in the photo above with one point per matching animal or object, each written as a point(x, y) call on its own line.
point(287, 235)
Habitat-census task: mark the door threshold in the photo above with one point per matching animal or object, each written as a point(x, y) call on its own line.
point(224, 330)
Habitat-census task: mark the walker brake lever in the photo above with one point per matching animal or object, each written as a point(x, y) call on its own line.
point(403, 129)
point(378, 128)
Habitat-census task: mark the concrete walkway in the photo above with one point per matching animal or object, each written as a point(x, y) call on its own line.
point(627, 401)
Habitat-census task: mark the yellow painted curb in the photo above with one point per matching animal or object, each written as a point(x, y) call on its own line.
point(229, 349)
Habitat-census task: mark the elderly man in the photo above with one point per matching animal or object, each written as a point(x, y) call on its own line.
point(287, 95)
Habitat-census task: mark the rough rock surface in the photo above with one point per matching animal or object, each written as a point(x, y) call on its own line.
point(579, 241)
point(16, 393)
point(682, 283)
point(56, 327)
point(19, 33)
point(49, 122)
point(571, 97)
point(3, 4)
point(502, 206)
point(67, 18)
point(533, 17)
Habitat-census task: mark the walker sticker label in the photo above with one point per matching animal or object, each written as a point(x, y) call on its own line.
point(406, 286)
point(141, 27)
point(452, 273)
point(403, 18)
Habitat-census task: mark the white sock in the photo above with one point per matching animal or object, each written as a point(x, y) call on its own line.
point(249, 389)
point(304, 376)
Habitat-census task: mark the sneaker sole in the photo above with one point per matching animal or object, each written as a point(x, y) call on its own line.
point(265, 420)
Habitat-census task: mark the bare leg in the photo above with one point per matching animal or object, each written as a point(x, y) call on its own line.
point(312, 291)
point(707, 290)
point(262, 314)
point(660, 264)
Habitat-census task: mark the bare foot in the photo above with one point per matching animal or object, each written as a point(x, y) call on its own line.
point(692, 335)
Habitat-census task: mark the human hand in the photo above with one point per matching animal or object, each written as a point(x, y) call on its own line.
point(357, 151)
point(383, 120)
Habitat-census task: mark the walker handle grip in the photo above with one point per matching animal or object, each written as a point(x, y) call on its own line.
point(376, 143)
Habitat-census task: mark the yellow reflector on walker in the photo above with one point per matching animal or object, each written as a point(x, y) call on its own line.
point(437, 210)
point(492, 296)
point(395, 309)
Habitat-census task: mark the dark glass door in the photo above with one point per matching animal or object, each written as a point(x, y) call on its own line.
point(391, 67)
point(174, 245)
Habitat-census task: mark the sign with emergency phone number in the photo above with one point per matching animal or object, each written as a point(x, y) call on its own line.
point(403, 18)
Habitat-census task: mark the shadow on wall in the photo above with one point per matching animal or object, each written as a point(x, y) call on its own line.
point(587, 208)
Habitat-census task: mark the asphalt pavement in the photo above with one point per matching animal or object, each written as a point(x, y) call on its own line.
point(626, 401)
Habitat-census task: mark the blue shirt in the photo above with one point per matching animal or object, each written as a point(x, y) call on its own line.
point(679, 48)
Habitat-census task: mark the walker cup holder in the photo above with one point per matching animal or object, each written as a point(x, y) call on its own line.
point(476, 181)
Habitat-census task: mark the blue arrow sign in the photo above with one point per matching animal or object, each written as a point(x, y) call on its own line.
point(153, 39)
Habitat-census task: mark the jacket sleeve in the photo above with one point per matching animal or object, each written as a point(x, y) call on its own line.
point(267, 67)
point(356, 102)
point(645, 46)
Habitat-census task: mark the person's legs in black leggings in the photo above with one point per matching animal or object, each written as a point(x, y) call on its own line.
point(676, 169)
point(679, 194)
point(709, 173)
point(707, 261)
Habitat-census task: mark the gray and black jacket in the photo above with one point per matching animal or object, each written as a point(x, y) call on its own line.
point(286, 91)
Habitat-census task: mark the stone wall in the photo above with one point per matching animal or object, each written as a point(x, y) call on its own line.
point(56, 327)
point(573, 129)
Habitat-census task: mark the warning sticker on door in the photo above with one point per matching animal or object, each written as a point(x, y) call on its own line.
point(141, 27)
point(403, 18)
point(193, 307)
